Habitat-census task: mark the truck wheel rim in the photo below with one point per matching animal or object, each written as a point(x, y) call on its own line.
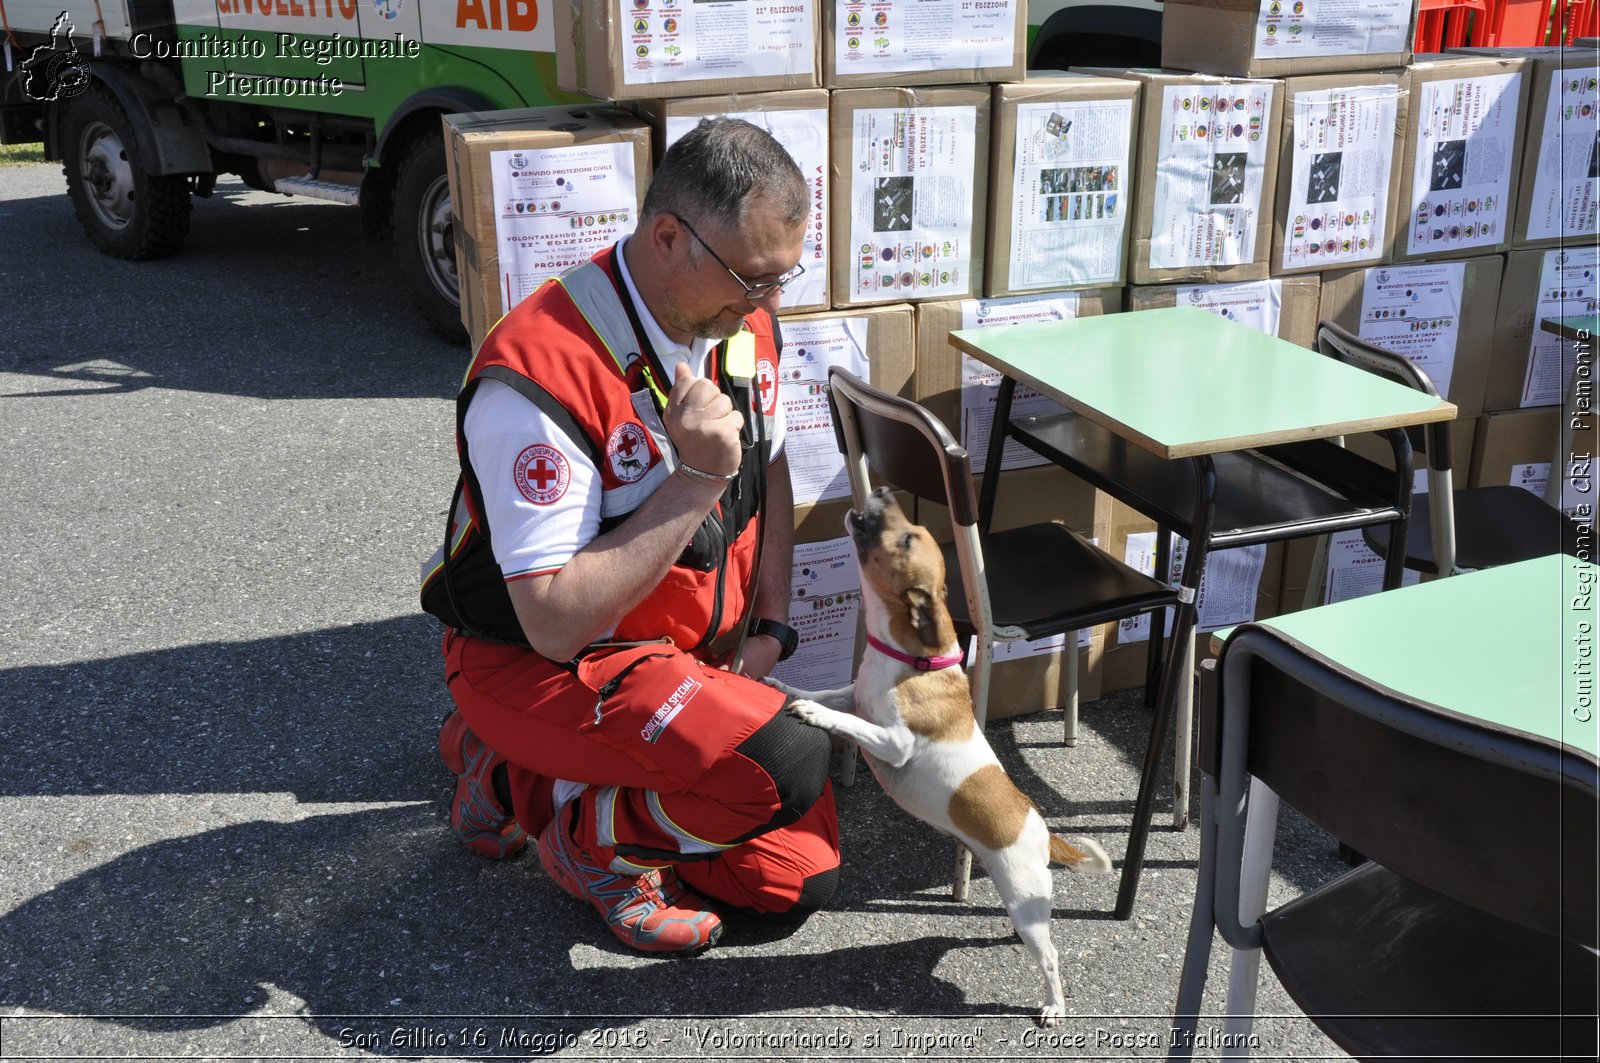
point(107, 176)
point(436, 227)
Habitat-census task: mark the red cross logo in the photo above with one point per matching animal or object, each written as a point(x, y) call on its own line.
point(628, 451)
point(542, 474)
point(767, 385)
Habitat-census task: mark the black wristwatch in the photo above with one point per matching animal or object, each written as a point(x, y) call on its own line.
point(787, 636)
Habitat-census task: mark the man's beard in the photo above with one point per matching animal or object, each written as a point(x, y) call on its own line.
point(712, 328)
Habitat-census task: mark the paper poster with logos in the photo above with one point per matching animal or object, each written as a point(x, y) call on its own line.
point(1258, 304)
point(1338, 197)
point(911, 212)
point(895, 36)
point(980, 384)
point(1354, 570)
point(1291, 29)
point(696, 40)
point(555, 207)
point(1415, 311)
point(810, 349)
point(1461, 181)
point(824, 602)
point(804, 135)
point(1070, 201)
point(1228, 589)
point(1211, 169)
point(1566, 187)
point(1567, 287)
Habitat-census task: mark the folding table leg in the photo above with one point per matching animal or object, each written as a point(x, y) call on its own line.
point(1069, 719)
point(1260, 831)
point(1183, 623)
point(1183, 747)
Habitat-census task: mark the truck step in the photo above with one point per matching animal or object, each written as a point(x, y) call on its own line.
point(312, 188)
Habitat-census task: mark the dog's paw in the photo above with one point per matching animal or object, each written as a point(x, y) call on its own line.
point(1052, 1015)
point(808, 712)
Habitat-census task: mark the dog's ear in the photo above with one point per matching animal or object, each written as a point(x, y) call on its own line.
point(921, 606)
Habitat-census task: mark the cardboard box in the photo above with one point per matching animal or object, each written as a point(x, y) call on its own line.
point(520, 218)
point(1204, 186)
point(1440, 315)
point(1294, 301)
point(1274, 38)
point(938, 382)
point(632, 50)
point(910, 189)
point(1458, 179)
point(930, 42)
point(1558, 201)
point(1528, 366)
point(797, 119)
point(1516, 447)
point(1062, 183)
point(1339, 173)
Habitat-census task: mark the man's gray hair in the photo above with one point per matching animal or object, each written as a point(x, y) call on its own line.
point(712, 172)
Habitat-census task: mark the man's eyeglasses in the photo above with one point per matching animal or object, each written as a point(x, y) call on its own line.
point(759, 290)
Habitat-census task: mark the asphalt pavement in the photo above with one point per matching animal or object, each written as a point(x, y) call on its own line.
point(225, 830)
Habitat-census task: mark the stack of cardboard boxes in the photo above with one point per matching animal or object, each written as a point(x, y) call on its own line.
point(1277, 170)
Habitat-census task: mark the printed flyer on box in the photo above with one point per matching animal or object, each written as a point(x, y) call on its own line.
point(1291, 29)
point(1258, 304)
point(911, 214)
point(1070, 200)
point(1415, 311)
point(1461, 182)
point(695, 40)
point(555, 207)
point(980, 384)
point(810, 348)
point(804, 135)
point(1354, 570)
point(1210, 173)
point(1228, 589)
point(1567, 185)
point(1567, 287)
point(1339, 189)
point(824, 600)
point(891, 36)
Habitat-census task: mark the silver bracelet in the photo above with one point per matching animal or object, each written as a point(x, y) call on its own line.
point(709, 477)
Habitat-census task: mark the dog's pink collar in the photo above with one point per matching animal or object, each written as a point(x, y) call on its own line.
point(921, 664)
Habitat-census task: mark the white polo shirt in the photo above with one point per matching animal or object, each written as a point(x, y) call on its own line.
point(538, 535)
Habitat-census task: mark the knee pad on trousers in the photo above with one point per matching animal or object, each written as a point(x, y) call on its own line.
point(815, 894)
point(795, 757)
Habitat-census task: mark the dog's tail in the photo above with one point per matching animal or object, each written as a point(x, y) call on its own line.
point(1081, 855)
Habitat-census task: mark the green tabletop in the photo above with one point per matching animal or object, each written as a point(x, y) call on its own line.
point(1578, 327)
point(1182, 382)
point(1516, 646)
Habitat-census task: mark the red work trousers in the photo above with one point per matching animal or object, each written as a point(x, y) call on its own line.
point(682, 764)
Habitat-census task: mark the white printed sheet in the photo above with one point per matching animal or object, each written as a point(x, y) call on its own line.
point(1070, 201)
point(555, 207)
point(904, 36)
point(1461, 181)
point(810, 349)
point(1210, 174)
point(697, 40)
point(912, 207)
point(1338, 198)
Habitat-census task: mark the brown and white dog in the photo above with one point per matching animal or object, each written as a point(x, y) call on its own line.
point(910, 711)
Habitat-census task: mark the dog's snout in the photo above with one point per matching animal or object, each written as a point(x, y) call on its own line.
point(866, 524)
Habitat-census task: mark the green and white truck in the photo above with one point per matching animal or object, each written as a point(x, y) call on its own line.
point(146, 102)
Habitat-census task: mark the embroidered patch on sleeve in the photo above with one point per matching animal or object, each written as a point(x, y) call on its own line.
point(542, 474)
point(628, 451)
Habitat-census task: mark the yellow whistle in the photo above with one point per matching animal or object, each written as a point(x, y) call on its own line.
point(740, 362)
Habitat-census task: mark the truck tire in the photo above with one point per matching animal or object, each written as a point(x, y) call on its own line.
point(126, 210)
point(424, 237)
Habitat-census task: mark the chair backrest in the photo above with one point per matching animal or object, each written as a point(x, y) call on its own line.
point(903, 443)
point(1433, 439)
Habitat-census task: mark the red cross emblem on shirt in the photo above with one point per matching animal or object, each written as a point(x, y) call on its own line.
point(542, 474)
